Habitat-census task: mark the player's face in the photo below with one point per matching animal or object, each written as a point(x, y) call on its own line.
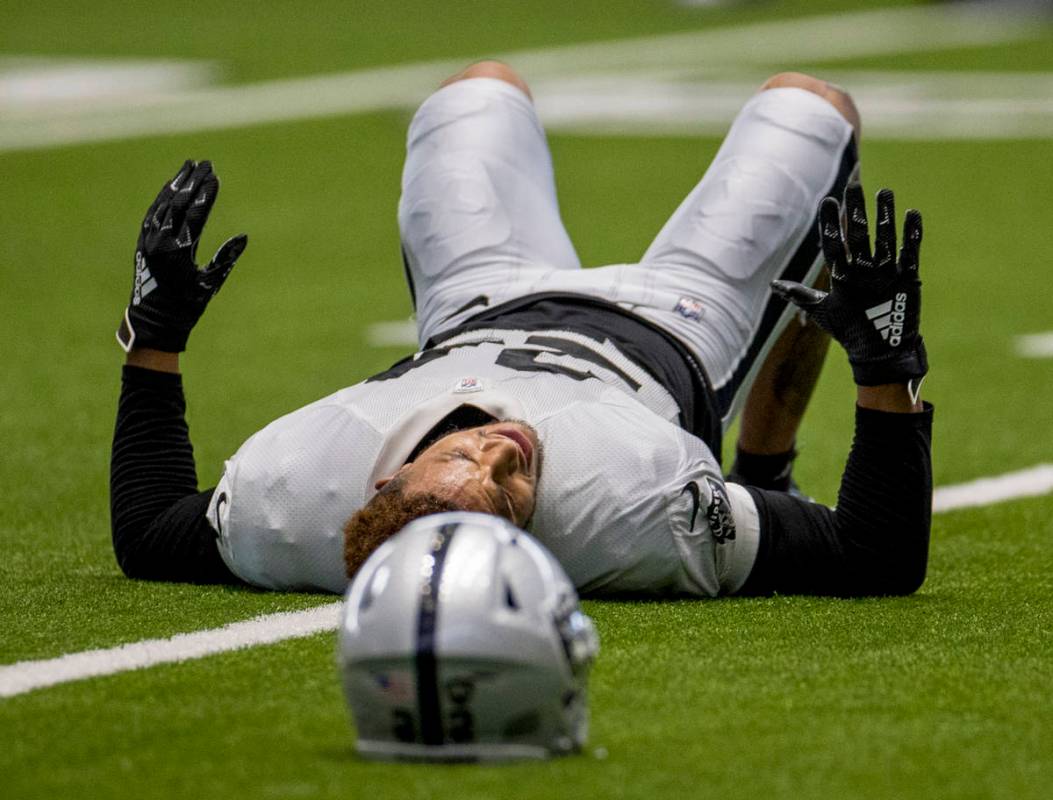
point(492, 468)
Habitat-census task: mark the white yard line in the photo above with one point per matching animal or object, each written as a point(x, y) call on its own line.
point(396, 333)
point(816, 39)
point(1032, 482)
point(39, 85)
point(676, 84)
point(27, 676)
point(1035, 345)
point(704, 57)
point(894, 105)
point(403, 333)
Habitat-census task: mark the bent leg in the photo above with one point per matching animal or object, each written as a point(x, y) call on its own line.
point(783, 387)
point(497, 70)
point(750, 220)
point(478, 209)
point(832, 93)
point(779, 396)
point(776, 404)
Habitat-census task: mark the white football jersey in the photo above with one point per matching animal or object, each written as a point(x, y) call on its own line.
point(627, 500)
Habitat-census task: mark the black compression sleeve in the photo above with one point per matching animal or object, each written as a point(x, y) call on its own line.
point(157, 514)
point(876, 542)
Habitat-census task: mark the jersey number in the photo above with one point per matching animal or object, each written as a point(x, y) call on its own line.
point(521, 359)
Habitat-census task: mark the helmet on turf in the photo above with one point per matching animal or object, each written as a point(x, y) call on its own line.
point(461, 638)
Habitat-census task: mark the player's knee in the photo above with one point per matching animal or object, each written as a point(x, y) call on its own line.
point(491, 69)
point(833, 94)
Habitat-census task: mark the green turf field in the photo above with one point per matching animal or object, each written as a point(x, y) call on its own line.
point(943, 694)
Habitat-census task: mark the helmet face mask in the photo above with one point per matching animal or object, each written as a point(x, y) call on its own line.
point(461, 638)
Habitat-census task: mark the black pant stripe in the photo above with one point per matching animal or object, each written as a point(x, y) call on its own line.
point(428, 707)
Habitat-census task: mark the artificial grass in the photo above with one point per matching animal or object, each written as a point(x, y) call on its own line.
point(943, 694)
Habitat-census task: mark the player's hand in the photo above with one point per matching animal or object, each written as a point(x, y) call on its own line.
point(170, 292)
point(873, 307)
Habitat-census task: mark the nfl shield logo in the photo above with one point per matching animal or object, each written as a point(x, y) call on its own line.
point(689, 308)
point(468, 384)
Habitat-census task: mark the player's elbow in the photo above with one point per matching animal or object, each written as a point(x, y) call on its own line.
point(905, 579)
point(895, 569)
point(133, 557)
point(128, 558)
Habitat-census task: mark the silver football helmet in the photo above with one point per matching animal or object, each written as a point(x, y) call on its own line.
point(461, 638)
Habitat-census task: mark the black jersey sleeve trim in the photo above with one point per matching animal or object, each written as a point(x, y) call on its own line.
point(157, 514)
point(876, 542)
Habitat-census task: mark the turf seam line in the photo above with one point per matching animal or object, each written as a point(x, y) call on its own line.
point(28, 676)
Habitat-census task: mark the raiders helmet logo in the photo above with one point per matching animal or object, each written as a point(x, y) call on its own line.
point(721, 523)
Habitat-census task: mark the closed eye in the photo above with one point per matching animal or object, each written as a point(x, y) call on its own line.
point(505, 495)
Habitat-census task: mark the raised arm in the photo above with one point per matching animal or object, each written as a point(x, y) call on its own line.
point(876, 541)
point(157, 514)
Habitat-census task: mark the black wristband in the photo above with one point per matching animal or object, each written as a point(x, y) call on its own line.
point(909, 365)
point(151, 378)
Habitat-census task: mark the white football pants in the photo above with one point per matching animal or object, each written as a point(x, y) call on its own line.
point(480, 223)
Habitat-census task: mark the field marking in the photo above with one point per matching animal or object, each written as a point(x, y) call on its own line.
point(895, 105)
point(394, 333)
point(28, 676)
point(1035, 345)
point(403, 333)
point(705, 57)
point(1031, 482)
point(38, 85)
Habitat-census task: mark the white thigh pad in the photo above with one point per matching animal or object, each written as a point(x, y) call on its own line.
point(478, 214)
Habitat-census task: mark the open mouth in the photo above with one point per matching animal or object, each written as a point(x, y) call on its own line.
point(521, 440)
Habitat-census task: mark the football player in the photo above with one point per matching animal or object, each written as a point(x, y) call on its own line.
point(587, 406)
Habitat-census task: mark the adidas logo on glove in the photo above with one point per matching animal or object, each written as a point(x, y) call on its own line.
point(144, 281)
point(888, 319)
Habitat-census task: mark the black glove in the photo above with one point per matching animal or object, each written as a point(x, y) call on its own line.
point(874, 304)
point(170, 293)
